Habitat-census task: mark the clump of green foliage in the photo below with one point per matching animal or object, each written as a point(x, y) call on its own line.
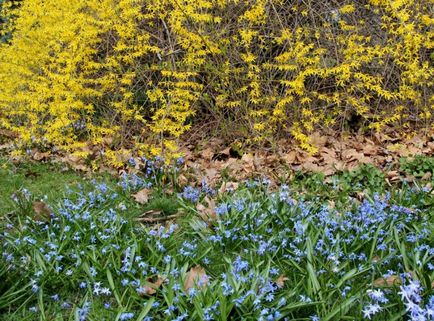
point(417, 166)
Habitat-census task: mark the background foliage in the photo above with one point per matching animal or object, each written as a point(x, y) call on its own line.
point(134, 75)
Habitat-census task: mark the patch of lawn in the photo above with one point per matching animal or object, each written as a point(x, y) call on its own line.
point(46, 181)
point(249, 254)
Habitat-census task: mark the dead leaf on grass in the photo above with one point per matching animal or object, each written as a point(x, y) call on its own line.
point(376, 258)
point(151, 286)
point(328, 170)
point(207, 212)
point(37, 155)
point(393, 176)
point(8, 133)
point(196, 276)
point(149, 214)
point(228, 187)
point(42, 210)
point(248, 163)
point(390, 281)
point(74, 162)
point(280, 281)
point(360, 196)
point(331, 204)
point(427, 176)
point(142, 196)
point(182, 180)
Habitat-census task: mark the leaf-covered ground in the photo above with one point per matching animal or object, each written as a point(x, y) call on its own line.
point(148, 247)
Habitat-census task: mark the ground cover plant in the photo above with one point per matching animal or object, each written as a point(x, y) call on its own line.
point(112, 77)
point(251, 252)
point(419, 166)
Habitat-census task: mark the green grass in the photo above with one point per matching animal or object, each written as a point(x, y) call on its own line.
point(40, 179)
point(45, 181)
point(329, 257)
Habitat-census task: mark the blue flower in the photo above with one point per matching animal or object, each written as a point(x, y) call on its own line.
point(377, 296)
point(222, 209)
point(191, 194)
point(180, 161)
point(240, 265)
point(33, 309)
point(84, 311)
point(181, 317)
point(371, 310)
point(126, 316)
point(65, 305)
point(132, 162)
point(269, 297)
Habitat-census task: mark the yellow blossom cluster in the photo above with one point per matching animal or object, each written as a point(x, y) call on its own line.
point(136, 75)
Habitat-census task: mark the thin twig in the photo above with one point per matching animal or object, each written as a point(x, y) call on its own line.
point(156, 219)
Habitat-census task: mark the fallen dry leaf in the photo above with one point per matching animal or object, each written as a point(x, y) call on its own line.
point(151, 287)
point(248, 163)
point(310, 167)
point(211, 174)
point(427, 176)
point(228, 187)
point(360, 196)
point(222, 155)
point(42, 210)
point(410, 178)
point(289, 158)
point(376, 258)
point(150, 213)
point(318, 140)
point(280, 281)
point(328, 170)
point(207, 213)
point(352, 155)
point(388, 282)
point(8, 133)
point(370, 150)
point(142, 196)
point(393, 176)
point(207, 154)
point(331, 204)
point(6, 146)
point(74, 162)
point(196, 276)
point(107, 140)
point(182, 180)
point(40, 156)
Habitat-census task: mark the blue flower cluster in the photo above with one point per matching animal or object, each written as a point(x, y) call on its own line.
point(267, 256)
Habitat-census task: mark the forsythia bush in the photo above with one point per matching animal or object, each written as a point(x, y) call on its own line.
point(136, 74)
